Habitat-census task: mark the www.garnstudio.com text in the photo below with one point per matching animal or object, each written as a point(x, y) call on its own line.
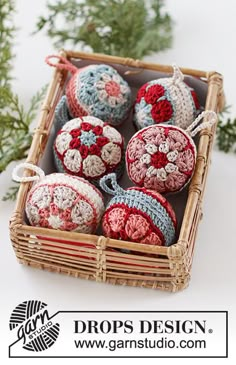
point(144, 327)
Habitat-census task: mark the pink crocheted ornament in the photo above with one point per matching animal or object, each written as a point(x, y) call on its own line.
point(167, 100)
point(162, 157)
point(89, 148)
point(62, 202)
point(138, 215)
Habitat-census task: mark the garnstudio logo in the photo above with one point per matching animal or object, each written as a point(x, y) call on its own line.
point(33, 325)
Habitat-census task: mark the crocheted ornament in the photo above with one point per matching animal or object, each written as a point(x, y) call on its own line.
point(89, 148)
point(137, 215)
point(96, 90)
point(162, 157)
point(168, 100)
point(61, 201)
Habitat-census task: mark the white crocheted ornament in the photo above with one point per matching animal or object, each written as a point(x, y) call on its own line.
point(167, 100)
point(89, 148)
point(61, 201)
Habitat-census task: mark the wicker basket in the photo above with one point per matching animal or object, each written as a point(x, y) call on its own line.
point(96, 257)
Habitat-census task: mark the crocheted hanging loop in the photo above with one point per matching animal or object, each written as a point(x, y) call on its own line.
point(177, 75)
point(64, 65)
point(112, 178)
point(212, 119)
point(25, 165)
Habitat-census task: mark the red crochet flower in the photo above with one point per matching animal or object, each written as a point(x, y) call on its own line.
point(159, 159)
point(162, 111)
point(153, 93)
point(101, 141)
point(75, 143)
point(141, 92)
point(86, 126)
point(84, 151)
point(95, 150)
point(75, 132)
point(97, 130)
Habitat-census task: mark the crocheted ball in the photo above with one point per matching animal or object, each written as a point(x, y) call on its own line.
point(161, 157)
point(96, 90)
point(64, 202)
point(168, 100)
point(89, 148)
point(140, 215)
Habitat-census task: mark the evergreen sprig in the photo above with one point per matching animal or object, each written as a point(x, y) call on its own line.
point(226, 133)
point(11, 193)
point(128, 28)
point(15, 134)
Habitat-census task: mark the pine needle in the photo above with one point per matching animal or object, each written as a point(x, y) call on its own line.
point(15, 135)
point(127, 28)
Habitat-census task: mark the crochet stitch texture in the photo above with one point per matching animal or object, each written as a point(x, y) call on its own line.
point(96, 90)
point(65, 202)
point(161, 157)
point(138, 215)
point(89, 148)
point(168, 100)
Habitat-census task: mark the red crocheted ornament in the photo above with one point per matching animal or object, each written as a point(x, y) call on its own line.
point(130, 217)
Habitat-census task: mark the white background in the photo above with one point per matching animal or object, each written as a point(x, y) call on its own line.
point(204, 38)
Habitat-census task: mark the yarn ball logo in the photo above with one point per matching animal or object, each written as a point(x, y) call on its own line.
point(34, 326)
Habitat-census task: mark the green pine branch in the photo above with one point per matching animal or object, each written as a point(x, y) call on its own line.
point(128, 28)
point(15, 134)
point(226, 132)
point(11, 194)
point(15, 121)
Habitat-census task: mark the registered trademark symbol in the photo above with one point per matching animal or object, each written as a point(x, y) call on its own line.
point(210, 330)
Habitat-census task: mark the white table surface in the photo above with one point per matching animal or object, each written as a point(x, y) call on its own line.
point(204, 38)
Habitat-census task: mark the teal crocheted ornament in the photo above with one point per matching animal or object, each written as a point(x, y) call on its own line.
point(96, 90)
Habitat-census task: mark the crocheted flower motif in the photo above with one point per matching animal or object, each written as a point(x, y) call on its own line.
point(65, 202)
point(162, 101)
point(100, 91)
point(161, 158)
point(131, 217)
point(88, 148)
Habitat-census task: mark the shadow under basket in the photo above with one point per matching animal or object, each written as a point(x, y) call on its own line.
point(96, 257)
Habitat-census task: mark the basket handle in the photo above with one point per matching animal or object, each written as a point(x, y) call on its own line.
point(113, 179)
point(64, 65)
point(212, 119)
point(25, 165)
